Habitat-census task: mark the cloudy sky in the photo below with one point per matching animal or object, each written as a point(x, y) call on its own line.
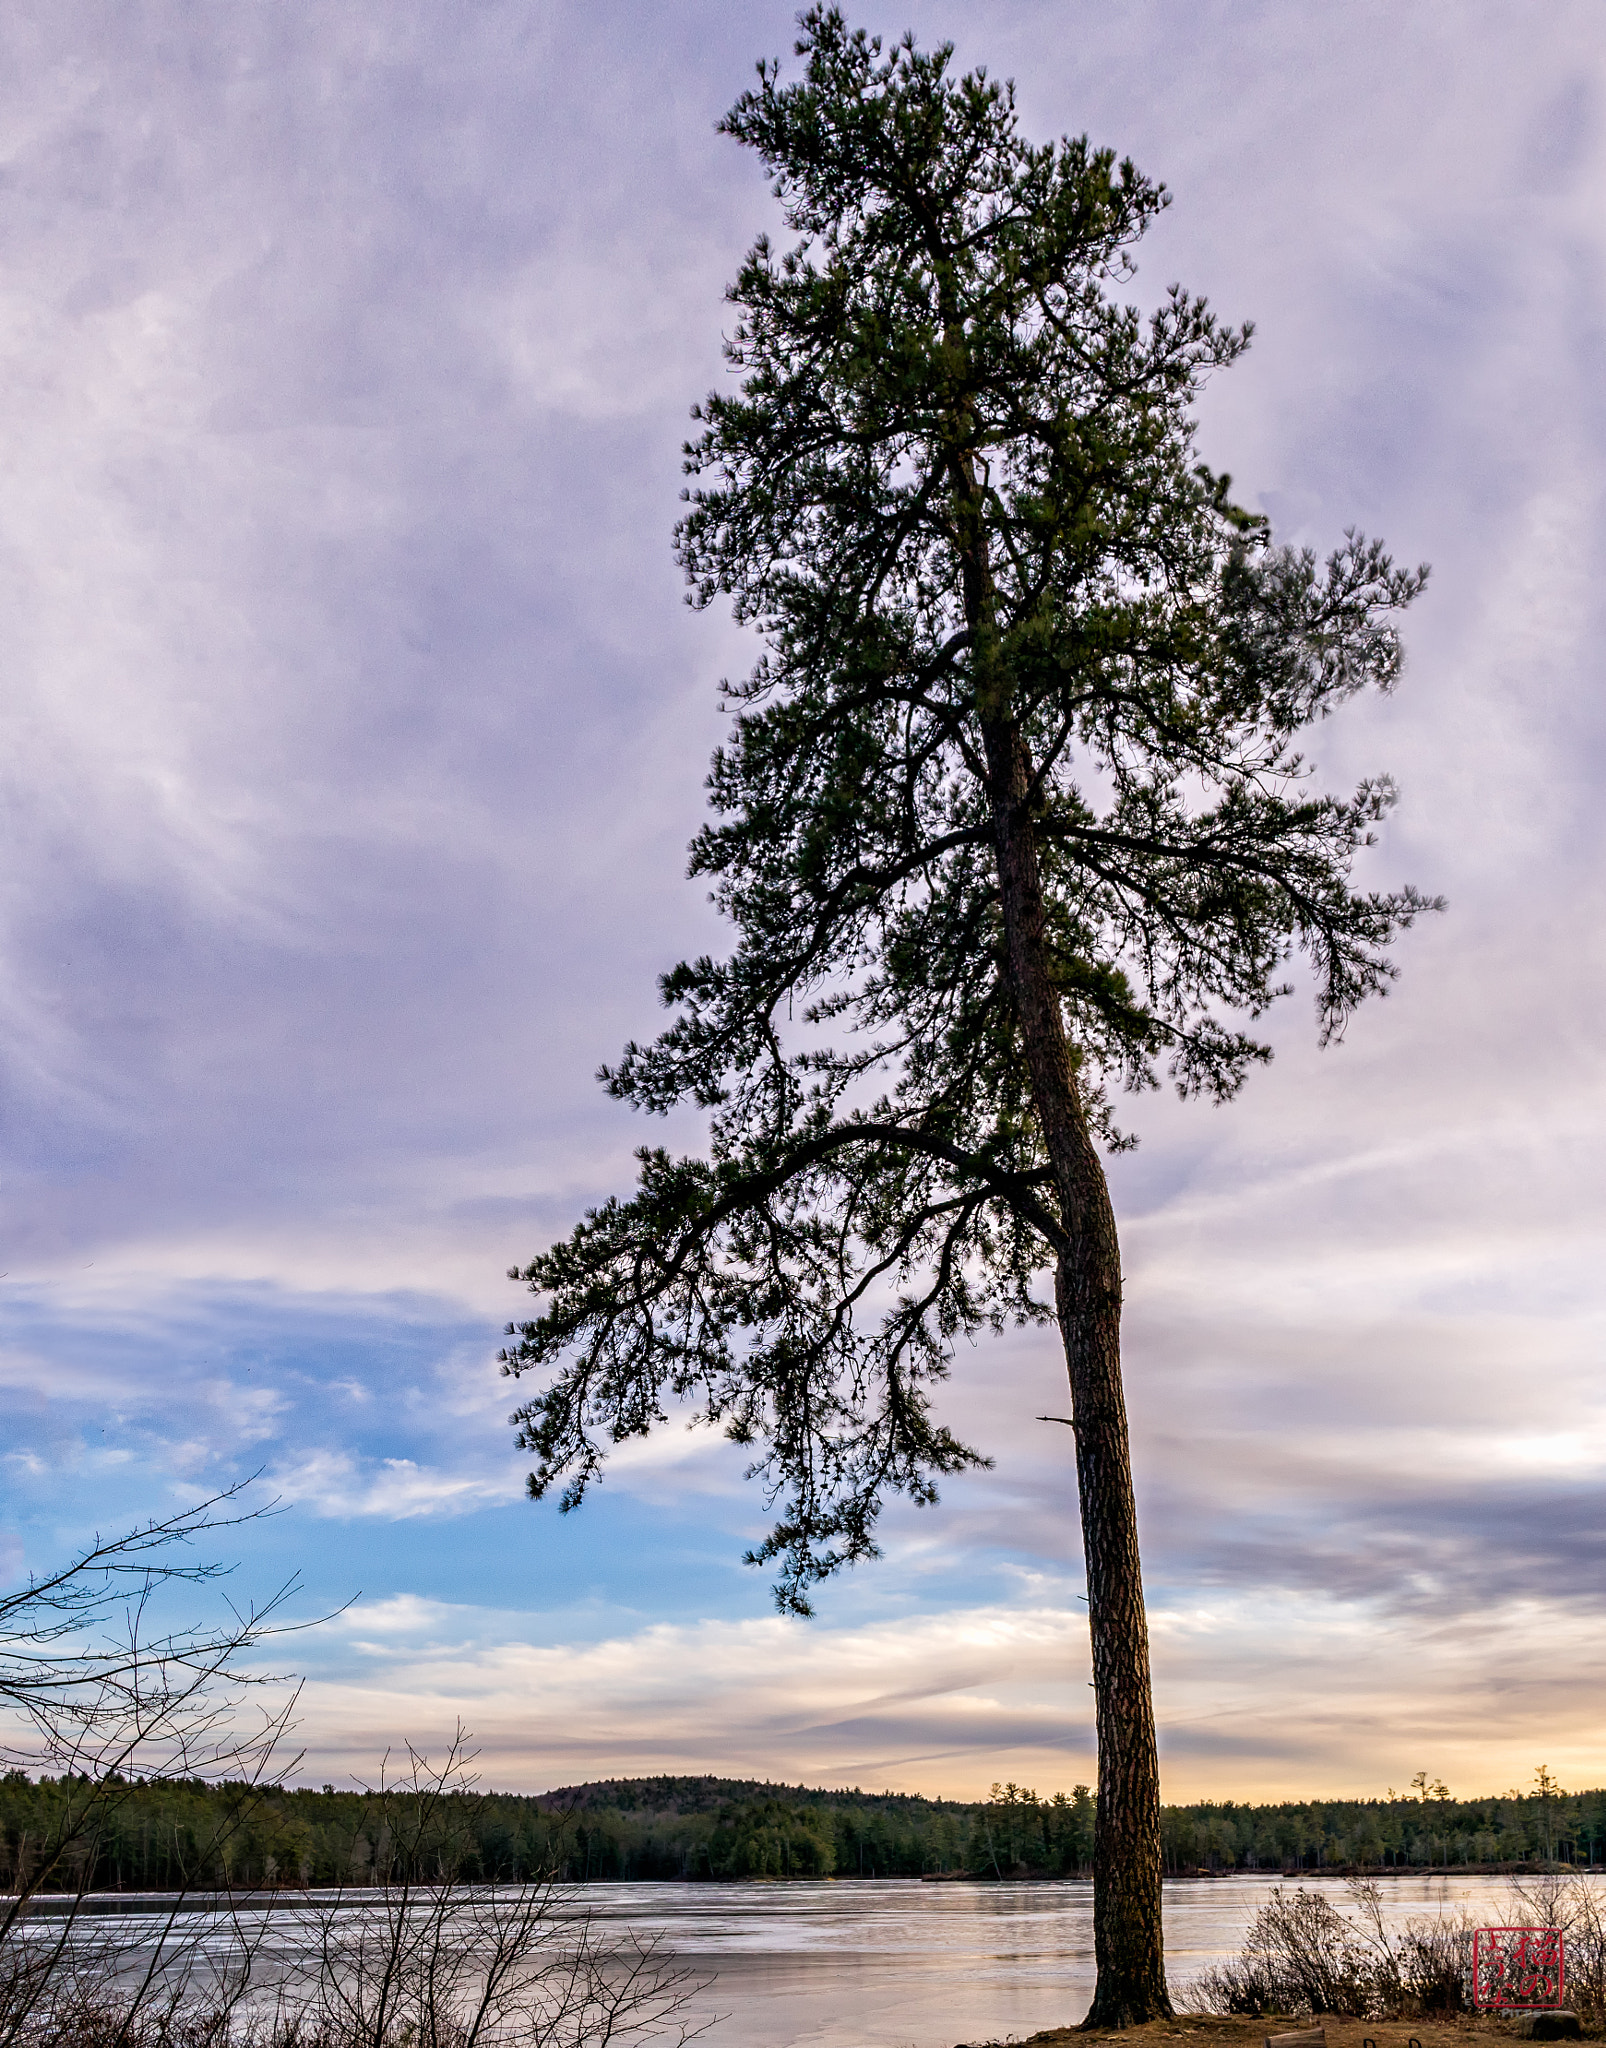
point(353, 732)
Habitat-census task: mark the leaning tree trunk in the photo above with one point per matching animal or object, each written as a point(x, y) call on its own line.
point(1127, 1940)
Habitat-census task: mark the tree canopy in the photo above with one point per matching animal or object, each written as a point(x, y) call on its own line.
point(956, 495)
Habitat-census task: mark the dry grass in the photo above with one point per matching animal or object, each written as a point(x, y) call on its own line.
point(1210, 2030)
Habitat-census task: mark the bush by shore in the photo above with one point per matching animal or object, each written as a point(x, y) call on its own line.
point(1304, 1955)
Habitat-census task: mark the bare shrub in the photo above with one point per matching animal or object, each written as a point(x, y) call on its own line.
point(457, 1967)
point(99, 1685)
point(438, 1963)
point(98, 1688)
point(1578, 1907)
point(471, 1968)
point(74, 1980)
point(1301, 1955)
point(420, 1960)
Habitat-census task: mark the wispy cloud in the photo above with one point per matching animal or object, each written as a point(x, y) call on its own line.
point(351, 736)
point(335, 1484)
point(1351, 1699)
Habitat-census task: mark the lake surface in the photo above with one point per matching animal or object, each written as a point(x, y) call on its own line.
point(899, 1964)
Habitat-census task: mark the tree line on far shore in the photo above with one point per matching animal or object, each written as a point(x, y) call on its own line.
point(175, 1834)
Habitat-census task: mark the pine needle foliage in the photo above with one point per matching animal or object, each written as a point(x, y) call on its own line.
point(939, 385)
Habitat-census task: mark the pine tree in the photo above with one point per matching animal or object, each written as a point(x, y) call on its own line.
point(1012, 814)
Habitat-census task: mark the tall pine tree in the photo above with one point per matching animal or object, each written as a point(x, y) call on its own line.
point(1012, 812)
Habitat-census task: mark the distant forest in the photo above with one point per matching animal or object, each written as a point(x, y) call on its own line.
point(164, 1835)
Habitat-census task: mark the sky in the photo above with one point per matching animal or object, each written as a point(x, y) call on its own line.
point(353, 731)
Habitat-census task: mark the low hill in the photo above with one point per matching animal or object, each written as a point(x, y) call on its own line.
point(709, 1794)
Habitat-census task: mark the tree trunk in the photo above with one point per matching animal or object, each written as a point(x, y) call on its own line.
point(1127, 1939)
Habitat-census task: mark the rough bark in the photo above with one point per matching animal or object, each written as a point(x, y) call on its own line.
point(1127, 1936)
point(1127, 1940)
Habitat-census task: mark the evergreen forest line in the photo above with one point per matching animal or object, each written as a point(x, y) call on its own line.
point(168, 1835)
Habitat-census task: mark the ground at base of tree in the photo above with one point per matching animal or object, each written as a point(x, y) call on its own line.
point(1209, 2030)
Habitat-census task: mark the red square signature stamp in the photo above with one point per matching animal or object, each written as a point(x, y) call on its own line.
point(1518, 1968)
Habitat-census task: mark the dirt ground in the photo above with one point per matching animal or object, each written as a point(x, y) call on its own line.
point(1191, 2030)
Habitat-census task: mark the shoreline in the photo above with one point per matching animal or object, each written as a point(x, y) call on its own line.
point(288, 1898)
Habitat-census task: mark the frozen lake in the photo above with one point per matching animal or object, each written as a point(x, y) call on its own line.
point(907, 1965)
point(900, 1964)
